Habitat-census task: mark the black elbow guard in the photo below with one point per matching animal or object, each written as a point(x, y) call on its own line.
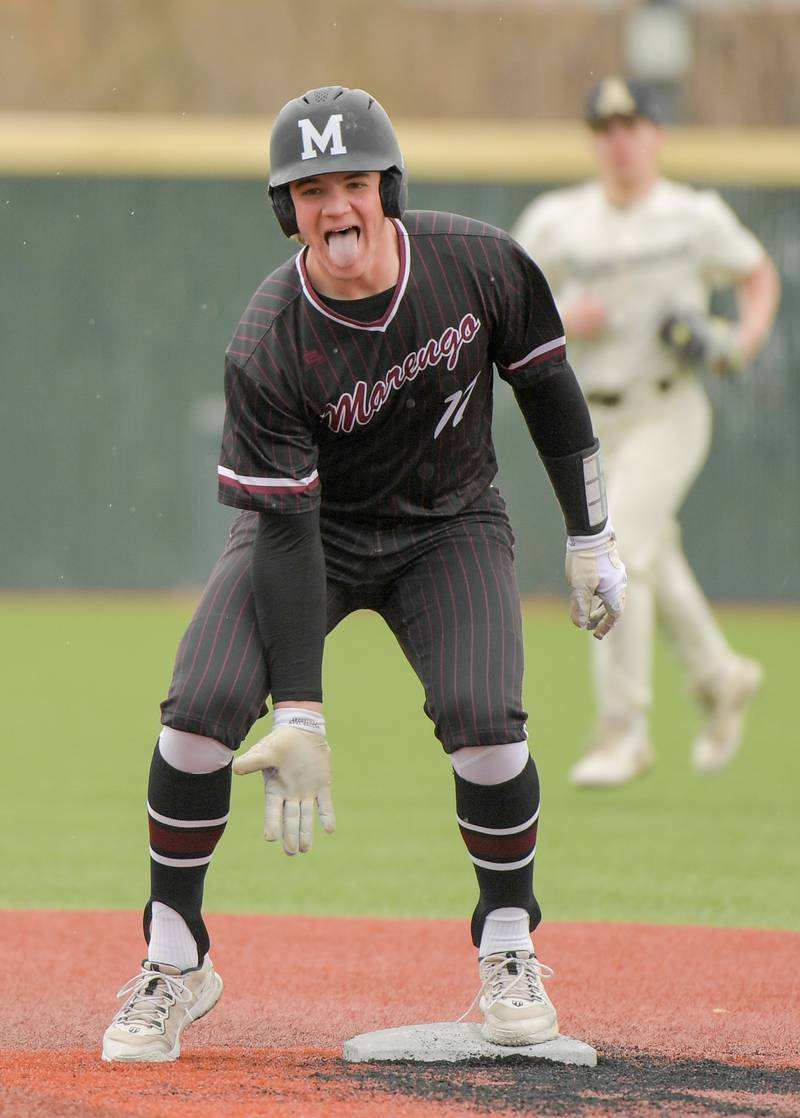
point(580, 489)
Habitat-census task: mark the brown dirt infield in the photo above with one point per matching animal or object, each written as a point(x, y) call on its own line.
point(687, 1021)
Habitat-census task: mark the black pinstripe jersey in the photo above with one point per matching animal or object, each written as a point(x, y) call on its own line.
point(388, 419)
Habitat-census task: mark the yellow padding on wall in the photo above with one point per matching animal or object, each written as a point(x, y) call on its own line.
point(458, 151)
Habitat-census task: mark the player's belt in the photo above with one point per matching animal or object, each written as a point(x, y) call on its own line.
point(613, 399)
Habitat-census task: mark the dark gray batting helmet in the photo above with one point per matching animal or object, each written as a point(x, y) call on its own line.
point(333, 129)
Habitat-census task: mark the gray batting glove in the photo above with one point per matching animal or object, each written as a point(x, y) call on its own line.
point(297, 775)
point(595, 571)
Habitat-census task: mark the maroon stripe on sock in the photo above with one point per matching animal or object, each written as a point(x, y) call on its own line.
point(181, 840)
point(500, 848)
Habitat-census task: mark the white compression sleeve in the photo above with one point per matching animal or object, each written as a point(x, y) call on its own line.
point(192, 753)
point(490, 764)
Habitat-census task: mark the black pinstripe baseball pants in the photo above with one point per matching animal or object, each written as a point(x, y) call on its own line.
point(446, 588)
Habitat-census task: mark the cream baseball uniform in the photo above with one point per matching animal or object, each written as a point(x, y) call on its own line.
point(653, 418)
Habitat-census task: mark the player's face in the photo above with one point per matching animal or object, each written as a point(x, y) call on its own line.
point(340, 217)
point(627, 150)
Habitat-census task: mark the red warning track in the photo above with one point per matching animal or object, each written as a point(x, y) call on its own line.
point(685, 1020)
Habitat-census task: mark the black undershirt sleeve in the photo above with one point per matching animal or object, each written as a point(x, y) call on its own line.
point(557, 416)
point(288, 577)
point(555, 410)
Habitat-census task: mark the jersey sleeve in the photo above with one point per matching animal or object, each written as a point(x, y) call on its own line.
point(529, 334)
point(268, 461)
point(727, 249)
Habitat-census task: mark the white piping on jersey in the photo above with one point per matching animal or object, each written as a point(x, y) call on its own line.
point(499, 830)
point(268, 483)
point(540, 351)
point(194, 823)
point(399, 291)
point(505, 865)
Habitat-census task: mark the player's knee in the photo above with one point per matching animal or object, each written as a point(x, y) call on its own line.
point(490, 764)
point(192, 753)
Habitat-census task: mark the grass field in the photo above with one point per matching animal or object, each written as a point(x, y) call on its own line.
point(83, 678)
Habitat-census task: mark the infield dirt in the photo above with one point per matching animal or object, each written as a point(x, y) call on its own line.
point(687, 1021)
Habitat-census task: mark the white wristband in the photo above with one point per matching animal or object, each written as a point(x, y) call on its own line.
point(583, 543)
point(300, 717)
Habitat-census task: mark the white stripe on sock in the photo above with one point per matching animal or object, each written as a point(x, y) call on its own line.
point(181, 863)
point(189, 823)
point(504, 865)
point(498, 830)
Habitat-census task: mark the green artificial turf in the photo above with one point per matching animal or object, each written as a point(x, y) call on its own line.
point(83, 678)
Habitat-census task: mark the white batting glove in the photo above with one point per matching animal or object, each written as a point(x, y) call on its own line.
point(297, 775)
point(595, 570)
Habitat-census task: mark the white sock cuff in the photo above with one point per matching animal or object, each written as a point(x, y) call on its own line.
point(490, 764)
point(171, 941)
point(192, 753)
point(505, 929)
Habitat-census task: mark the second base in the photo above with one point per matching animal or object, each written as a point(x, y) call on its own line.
point(451, 1042)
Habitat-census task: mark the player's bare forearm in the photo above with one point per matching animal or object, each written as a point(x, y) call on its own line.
point(758, 296)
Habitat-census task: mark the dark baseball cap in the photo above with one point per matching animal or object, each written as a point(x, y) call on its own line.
point(617, 98)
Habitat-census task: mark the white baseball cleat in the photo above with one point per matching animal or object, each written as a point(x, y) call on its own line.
point(725, 700)
point(162, 1001)
point(616, 755)
point(516, 1010)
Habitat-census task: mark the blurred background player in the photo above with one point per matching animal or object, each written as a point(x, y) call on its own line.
point(632, 259)
point(357, 442)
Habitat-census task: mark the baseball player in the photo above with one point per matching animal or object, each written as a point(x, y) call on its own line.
point(357, 445)
point(633, 259)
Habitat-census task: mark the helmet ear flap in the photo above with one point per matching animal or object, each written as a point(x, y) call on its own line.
point(393, 191)
point(282, 204)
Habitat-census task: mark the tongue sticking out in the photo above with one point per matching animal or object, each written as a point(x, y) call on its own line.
point(343, 248)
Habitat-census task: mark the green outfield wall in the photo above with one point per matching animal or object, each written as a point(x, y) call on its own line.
point(119, 290)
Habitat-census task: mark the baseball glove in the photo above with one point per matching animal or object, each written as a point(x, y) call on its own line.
point(702, 340)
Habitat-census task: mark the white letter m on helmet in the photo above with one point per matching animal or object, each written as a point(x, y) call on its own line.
point(331, 135)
